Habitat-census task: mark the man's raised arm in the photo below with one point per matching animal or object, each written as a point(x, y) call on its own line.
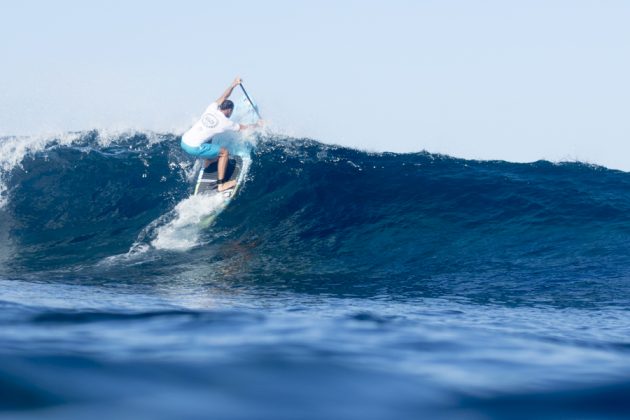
point(228, 91)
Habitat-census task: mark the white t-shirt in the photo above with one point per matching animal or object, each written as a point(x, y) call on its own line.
point(211, 123)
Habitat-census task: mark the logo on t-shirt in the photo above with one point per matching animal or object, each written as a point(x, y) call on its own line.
point(209, 120)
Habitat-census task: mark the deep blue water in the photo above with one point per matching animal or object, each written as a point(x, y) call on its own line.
point(337, 284)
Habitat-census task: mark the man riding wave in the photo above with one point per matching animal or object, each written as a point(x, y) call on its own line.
point(197, 141)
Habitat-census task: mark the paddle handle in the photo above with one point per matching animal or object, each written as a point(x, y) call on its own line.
point(250, 100)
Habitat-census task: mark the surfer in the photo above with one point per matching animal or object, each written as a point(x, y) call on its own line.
point(197, 141)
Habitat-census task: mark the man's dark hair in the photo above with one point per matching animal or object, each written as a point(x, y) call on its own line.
point(227, 104)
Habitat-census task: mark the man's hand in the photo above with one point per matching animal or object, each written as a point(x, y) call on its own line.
point(229, 90)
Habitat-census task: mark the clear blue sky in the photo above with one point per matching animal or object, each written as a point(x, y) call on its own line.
point(514, 80)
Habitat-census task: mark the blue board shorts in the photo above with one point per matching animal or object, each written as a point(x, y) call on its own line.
point(206, 150)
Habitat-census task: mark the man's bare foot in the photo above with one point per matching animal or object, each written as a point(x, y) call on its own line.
point(226, 186)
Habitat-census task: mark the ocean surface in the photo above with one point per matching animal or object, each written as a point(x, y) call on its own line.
point(338, 284)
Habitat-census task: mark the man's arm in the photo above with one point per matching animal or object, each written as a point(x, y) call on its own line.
point(228, 91)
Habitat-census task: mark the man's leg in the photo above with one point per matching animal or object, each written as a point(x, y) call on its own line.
point(208, 162)
point(222, 166)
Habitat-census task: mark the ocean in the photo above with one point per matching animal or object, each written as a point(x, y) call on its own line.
point(338, 284)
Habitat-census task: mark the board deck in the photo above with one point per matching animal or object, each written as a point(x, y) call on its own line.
point(207, 179)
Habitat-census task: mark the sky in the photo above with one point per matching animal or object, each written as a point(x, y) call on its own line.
point(512, 80)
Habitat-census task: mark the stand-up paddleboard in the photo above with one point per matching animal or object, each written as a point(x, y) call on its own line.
point(207, 184)
point(207, 179)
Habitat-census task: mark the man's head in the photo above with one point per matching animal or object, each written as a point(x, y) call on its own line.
point(227, 107)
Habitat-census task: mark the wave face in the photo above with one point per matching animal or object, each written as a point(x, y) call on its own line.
point(99, 235)
point(341, 221)
point(78, 203)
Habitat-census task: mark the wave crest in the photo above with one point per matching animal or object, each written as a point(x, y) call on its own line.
point(330, 219)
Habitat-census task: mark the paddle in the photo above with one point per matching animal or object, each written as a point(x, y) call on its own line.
point(250, 101)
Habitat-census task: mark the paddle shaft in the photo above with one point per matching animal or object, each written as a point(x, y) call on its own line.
point(250, 100)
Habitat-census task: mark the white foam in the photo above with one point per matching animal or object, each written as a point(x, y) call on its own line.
point(14, 149)
point(183, 231)
point(178, 230)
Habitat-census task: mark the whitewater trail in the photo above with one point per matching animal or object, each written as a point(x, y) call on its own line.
point(182, 233)
point(177, 230)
